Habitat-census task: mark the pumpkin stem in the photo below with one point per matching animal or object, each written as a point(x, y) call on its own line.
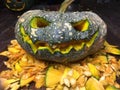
point(64, 5)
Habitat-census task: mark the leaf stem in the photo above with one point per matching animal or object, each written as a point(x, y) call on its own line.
point(64, 5)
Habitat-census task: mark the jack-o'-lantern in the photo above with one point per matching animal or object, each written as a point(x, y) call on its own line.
point(60, 37)
point(18, 5)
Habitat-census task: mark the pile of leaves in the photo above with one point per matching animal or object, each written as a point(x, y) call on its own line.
point(95, 72)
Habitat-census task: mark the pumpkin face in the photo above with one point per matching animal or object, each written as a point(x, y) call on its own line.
point(18, 5)
point(60, 37)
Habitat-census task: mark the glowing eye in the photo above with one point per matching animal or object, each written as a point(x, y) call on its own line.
point(81, 25)
point(39, 22)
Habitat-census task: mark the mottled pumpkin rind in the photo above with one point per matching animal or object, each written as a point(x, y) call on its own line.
point(97, 26)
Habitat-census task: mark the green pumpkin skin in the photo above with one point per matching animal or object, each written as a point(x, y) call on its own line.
point(58, 28)
point(18, 5)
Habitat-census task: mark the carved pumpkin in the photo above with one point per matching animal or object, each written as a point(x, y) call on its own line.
point(18, 5)
point(60, 37)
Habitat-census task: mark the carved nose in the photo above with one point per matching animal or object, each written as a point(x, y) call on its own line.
point(64, 25)
point(63, 31)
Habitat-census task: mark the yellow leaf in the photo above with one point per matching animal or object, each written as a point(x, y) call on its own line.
point(12, 80)
point(15, 86)
point(59, 87)
point(94, 70)
point(13, 50)
point(5, 53)
point(40, 82)
point(75, 74)
point(93, 84)
point(82, 88)
point(100, 59)
point(65, 73)
point(53, 76)
point(111, 49)
point(106, 44)
point(18, 67)
point(30, 59)
point(24, 82)
point(110, 87)
point(6, 82)
point(23, 63)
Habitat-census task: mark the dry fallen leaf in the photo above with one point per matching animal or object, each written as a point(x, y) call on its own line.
point(96, 71)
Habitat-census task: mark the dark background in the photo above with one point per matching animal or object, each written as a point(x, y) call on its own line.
point(108, 10)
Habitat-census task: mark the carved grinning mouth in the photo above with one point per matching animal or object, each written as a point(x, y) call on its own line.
point(62, 47)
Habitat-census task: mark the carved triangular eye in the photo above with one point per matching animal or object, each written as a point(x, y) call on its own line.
point(39, 22)
point(82, 25)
